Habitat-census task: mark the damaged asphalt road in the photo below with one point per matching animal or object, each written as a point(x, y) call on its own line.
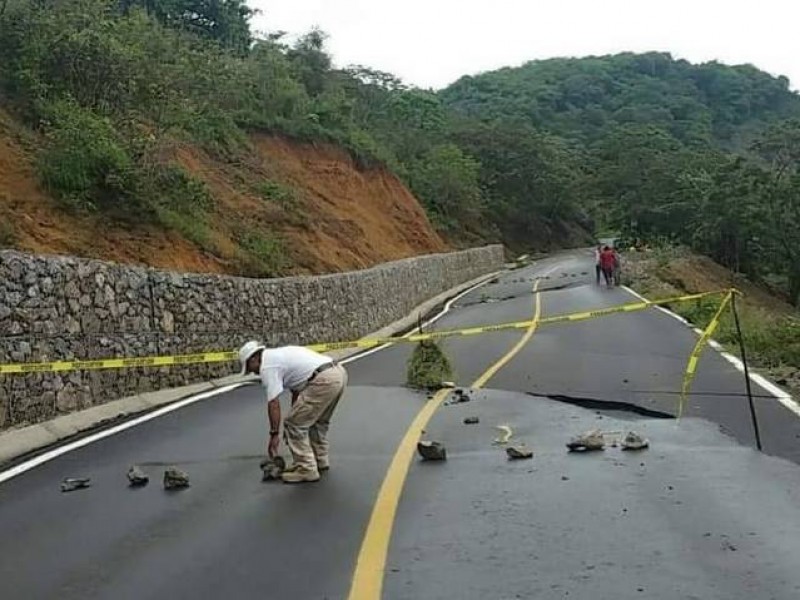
point(698, 514)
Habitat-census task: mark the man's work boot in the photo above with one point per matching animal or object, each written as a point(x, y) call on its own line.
point(323, 464)
point(300, 475)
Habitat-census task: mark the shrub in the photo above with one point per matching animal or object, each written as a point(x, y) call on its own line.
point(8, 235)
point(84, 164)
point(264, 255)
point(279, 193)
point(180, 202)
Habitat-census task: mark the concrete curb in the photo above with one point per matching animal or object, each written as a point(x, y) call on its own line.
point(15, 443)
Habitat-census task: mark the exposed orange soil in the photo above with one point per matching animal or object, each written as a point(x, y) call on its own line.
point(344, 218)
point(357, 218)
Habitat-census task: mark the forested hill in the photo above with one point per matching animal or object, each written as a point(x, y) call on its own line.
point(658, 149)
point(585, 98)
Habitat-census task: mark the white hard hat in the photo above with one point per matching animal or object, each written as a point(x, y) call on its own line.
point(246, 351)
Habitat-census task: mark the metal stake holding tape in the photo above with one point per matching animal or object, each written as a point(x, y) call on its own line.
point(739, 336)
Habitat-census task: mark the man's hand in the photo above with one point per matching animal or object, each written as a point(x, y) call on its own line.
point(272, 446)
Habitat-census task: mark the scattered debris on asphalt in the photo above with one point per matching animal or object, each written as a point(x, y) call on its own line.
point(634, 441)
point(518, 452)
point(447, 385)
point(494, 280)
point(137, 477)
point(70, 484)
point(431, 450)
point(505, 434)
point(272, 468)
point(471, 420)
point(175, 479)
point(458, 397)
point(726, 545)
point(589, 441)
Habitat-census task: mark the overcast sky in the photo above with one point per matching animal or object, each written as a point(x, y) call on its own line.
point(431, 43)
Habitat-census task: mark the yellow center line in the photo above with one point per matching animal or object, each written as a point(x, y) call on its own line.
point(367, 581)
point(537, 313)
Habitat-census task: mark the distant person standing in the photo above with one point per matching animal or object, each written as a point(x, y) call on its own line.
point(607, 264)
point(597, 268)
point(617, 266)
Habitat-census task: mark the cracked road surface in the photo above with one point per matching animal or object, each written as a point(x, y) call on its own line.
point(698, 515)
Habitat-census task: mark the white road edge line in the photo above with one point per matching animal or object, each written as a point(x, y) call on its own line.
point(89, 439)
point(60, 450)
point(780, 395)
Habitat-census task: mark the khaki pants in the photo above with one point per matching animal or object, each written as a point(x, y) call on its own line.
point(306, 427)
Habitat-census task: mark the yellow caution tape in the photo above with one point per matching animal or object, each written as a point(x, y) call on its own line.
point(118, 363)
point(571, 317)
point(418, 337)
point(694, 357)
point(633, 307)
point(214, 357)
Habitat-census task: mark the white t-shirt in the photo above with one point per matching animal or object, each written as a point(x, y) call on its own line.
point(288, 368)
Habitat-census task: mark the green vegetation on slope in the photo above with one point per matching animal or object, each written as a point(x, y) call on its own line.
point(115, 86)
point(536, 156)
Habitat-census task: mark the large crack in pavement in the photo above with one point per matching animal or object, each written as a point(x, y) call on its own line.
point(605, 405)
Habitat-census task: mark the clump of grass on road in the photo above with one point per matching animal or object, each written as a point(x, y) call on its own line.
point(428, 366)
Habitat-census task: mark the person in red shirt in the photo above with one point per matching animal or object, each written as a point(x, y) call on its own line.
point(608, 263)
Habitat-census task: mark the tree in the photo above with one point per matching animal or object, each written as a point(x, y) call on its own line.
point(311, 61)
point(639, 178)
point(446, 180)
point(780, 146)
point(225, 21)
point(728, 221)
point(530, 181)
